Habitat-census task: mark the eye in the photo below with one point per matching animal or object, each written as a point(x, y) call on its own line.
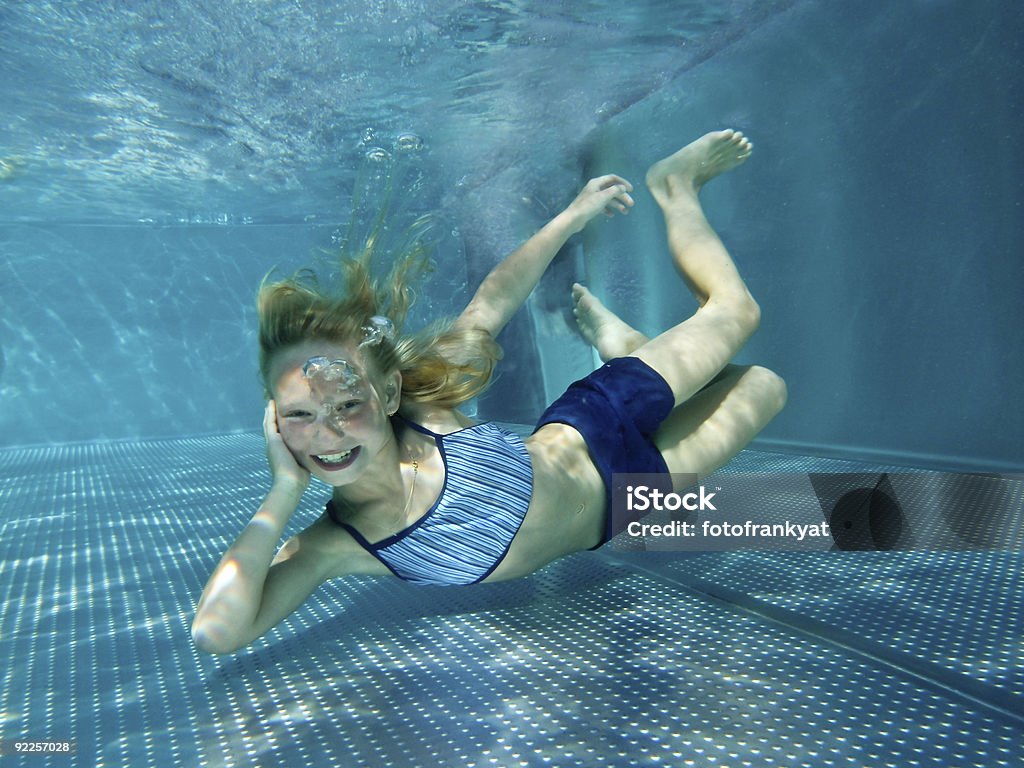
point(349, 405)
point(297, 415)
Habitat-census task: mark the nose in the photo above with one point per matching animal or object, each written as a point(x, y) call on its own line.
point(329, 418)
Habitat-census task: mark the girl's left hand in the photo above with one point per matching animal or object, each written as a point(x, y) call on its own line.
point(605, 194)
point(283, 466)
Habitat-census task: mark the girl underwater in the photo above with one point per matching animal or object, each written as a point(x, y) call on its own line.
point(421, 491)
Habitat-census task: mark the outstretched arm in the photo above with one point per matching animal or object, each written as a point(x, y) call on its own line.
point(245, 596)
point(508, 285)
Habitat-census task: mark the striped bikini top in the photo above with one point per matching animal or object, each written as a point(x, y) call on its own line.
point(488, 483)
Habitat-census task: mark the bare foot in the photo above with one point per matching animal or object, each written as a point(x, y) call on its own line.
point(601, 327)
point(697, 163)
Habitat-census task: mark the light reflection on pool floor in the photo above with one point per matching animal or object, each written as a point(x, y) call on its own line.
point(603, 659)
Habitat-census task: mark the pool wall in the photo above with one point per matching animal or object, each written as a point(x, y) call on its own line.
point(144, 330)
point(881, 240)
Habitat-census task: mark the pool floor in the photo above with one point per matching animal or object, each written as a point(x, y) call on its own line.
point(620, 657)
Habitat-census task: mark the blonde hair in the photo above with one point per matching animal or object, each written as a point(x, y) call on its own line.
point(439, 364)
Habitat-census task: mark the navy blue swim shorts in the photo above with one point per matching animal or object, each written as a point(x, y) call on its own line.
point(617, 409)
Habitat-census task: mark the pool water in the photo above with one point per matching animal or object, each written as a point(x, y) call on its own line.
point(158, 158)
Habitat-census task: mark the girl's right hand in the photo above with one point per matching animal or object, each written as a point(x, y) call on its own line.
point(283, 466)
point(605, 194)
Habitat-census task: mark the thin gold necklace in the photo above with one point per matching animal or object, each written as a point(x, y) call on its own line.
point(405, 511)
point(412, 490)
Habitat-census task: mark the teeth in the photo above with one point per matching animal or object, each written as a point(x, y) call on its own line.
point(334, 458)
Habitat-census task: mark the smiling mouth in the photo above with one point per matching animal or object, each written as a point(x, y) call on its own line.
point(335, 461)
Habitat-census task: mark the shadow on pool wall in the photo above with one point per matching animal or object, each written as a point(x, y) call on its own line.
point(873, 224)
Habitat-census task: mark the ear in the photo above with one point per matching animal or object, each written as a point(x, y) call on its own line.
point(393, 393)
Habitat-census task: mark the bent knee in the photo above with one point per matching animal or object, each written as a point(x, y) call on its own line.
point(774, 389)
point(741, 309)
point(751, 314)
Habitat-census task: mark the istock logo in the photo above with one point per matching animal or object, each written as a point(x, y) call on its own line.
point(642, 498)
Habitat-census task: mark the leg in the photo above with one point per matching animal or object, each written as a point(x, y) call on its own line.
point(704, 433)
point(608, 333)
point(715, 424)
point(689, 355)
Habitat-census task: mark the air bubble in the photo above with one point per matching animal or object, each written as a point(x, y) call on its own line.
point(378, 155)
point(409, 142)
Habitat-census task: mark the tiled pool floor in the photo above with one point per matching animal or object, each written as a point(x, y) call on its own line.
point(613, 658)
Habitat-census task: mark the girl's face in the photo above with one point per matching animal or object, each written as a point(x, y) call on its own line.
point(335, 419)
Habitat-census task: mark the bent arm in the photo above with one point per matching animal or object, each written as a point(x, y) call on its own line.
point(243, 598)
point(509, 284)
